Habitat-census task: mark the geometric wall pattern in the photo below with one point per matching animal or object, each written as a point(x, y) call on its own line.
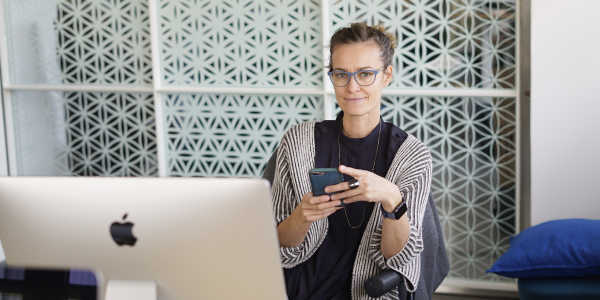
point(241, 43)
point(107, 42)
point(472, 142)
point(230, 135)
point(110, 134)
point(104, 42)
point(443, 43)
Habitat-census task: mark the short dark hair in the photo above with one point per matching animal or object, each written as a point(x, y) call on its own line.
point(361, 32)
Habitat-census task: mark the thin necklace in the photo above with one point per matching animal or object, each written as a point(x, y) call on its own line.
point(362, 219)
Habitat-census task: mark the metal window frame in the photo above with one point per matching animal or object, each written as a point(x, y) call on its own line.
point(3, 153)
point(5, 136)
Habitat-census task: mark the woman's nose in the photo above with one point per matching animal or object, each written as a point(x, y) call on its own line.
point(352, 84)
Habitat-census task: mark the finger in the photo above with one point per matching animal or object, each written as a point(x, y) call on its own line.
point(352, 172)
point(356, 198)
point(328, 205)
point(313, 215)
point(354, 184)
point(319, 199)
point(342, 186)
point(319, 207)
point(346, 194)
point(306, 198)
point(308, 214)
point(311, 208)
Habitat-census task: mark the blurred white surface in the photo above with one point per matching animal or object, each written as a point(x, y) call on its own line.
point(2, 258)
point(565, 109)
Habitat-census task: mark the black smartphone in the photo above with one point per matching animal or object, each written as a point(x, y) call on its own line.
point(322, 177)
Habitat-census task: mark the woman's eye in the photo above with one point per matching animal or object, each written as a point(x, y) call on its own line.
point(365, 74)
point(340, 75)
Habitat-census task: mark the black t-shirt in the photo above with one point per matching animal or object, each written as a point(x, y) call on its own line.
point(328, 273)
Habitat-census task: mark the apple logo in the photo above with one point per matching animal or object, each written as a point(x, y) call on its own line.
point(122, 233)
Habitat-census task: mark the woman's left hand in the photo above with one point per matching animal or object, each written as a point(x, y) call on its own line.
point(372, 188)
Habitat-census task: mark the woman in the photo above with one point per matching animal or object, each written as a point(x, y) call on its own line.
point(330, 245)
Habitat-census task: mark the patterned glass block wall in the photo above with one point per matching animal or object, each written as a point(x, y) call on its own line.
point(107, 42)
point(104, 42)
point(241, 43)
point(443, 43)
point(230, 135)
point(472, 141)
point(110, 134)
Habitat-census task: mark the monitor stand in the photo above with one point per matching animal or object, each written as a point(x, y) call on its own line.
point(129, 289)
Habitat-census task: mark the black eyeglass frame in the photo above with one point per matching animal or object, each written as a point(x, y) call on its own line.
point(353, 75)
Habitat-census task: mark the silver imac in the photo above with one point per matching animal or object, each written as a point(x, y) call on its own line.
point(194, 238)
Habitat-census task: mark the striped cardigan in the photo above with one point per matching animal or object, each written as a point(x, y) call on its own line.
point(410, 170)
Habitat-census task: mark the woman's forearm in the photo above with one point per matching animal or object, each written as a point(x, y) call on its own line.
point(292, 230)
point(394, 236)
point(394, 232)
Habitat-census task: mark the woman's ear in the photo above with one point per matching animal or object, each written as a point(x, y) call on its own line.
point(388, 74)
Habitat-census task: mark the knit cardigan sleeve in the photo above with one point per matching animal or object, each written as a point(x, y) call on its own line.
point(411, 171)
point(295, 157)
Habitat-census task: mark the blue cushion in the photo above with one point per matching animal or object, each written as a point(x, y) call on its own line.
point(559, 248)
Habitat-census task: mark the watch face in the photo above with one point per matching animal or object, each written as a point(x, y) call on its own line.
point(400, 210)
point(397, 213)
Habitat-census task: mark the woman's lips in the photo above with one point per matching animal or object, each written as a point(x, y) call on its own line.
point(355, 99)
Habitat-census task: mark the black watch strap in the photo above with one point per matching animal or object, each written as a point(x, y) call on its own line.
point(397, 213)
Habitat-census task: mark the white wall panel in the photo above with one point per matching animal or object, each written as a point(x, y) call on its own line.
point(565, 110)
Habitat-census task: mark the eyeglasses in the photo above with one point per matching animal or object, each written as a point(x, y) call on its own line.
point(341, 78)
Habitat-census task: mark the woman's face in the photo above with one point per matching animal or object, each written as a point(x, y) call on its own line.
point(354, 99)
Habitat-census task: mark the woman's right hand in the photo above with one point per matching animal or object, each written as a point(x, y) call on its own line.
point(313, 208)
point(293, 229)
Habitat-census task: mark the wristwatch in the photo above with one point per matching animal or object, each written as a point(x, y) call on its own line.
point(397, 213)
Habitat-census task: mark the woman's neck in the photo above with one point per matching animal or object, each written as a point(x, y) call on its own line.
point(359, 126)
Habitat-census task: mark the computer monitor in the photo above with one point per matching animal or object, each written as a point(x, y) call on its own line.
point(196, 238)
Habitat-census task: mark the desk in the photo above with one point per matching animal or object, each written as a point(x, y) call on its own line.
point(31, 284)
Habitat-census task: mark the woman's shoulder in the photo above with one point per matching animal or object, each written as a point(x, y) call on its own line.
point(417, 146)
point(300, 131)
point(407, 143)
point(397, 135)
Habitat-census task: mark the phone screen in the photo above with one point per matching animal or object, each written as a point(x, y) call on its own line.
point(322, 177)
